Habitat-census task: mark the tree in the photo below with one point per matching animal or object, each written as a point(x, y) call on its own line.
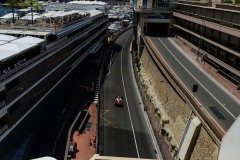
point(12, 4)
point(31, 3)
point(237, 1)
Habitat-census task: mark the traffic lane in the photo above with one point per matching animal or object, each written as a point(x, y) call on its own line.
point(213, 105)
point(222, 96)
point(213, 89)
point(118, 137)
point(141, 130)
point(188, 80)
point(114, 86)
point(142, 138)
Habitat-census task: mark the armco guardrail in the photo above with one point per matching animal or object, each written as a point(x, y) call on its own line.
point(119, 33)
point(207, 124)
point(81, 116)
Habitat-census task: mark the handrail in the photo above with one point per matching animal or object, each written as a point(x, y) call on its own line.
point(2, 104)
point(218, 21)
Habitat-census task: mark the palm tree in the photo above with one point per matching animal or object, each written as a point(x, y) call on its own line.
point(31, 4)
point(12, 4)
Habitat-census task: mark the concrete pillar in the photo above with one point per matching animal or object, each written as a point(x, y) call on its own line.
point(190, 139)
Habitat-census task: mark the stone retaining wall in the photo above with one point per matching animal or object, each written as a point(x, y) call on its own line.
point(169, 112)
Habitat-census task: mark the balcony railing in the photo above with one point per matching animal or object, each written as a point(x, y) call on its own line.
point(2, 104)
point(152, 9)
point(219, 25)
point(209, 19)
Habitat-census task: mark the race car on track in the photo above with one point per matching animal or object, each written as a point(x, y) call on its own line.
point(118, 101)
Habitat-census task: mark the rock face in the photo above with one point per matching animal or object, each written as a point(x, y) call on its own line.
point(168, 112)
point(205, 148)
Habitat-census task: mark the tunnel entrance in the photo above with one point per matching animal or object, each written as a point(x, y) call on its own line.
point(156, 29)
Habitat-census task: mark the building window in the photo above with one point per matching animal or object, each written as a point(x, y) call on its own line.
point(14, 107)
point(160, 3)
point(12, 84)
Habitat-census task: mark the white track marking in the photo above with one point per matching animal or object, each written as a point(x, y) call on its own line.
point(154, 141)
point(197, 79)
point(185, 87)
point(134, 136)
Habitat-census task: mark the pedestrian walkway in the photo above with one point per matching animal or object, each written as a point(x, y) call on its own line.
point(230, 87)
point(85, 141)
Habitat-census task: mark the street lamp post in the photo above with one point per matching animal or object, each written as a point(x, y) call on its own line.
point(200, 38)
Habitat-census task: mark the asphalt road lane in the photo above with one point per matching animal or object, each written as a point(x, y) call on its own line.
point(125, 130)
point(209, 94)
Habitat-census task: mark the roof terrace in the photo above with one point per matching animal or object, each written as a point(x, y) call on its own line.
point(56, 17)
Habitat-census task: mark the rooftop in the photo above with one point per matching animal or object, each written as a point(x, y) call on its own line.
point(56, 16)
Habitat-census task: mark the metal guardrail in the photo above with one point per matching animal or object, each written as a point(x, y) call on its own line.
point(218, 21)
point(119, 33)
point(187, 97)
point(71, 130)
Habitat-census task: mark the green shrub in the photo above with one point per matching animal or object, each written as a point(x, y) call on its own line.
point(137, 62)
point(237, 1)
point(227, 1)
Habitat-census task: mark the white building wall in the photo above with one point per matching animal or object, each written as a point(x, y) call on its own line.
point(230, 147)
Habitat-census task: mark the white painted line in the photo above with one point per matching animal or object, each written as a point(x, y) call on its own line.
point(197, 79)
point(182, 83)
point(204, 72)
point(134, 136)
point(154, 140)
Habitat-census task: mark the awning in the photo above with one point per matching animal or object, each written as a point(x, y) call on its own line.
point(7, 38)
point(12, 49)
point(3, 42)
point(9, 16)
point(29, 17)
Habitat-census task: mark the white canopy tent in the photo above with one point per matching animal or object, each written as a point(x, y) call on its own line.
point(3, 42)
point(9, 16)
point(45, 158)
point(7, 38)
point(28, 39)
point(25, 10)
point(12, 49)
point(29, 17)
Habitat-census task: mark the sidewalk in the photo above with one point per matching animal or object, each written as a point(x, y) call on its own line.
point(230, 87)
point(84, 150)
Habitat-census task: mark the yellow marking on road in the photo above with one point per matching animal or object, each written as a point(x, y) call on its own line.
point(106, 122)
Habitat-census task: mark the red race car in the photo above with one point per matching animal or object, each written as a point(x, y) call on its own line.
point(118, 101)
